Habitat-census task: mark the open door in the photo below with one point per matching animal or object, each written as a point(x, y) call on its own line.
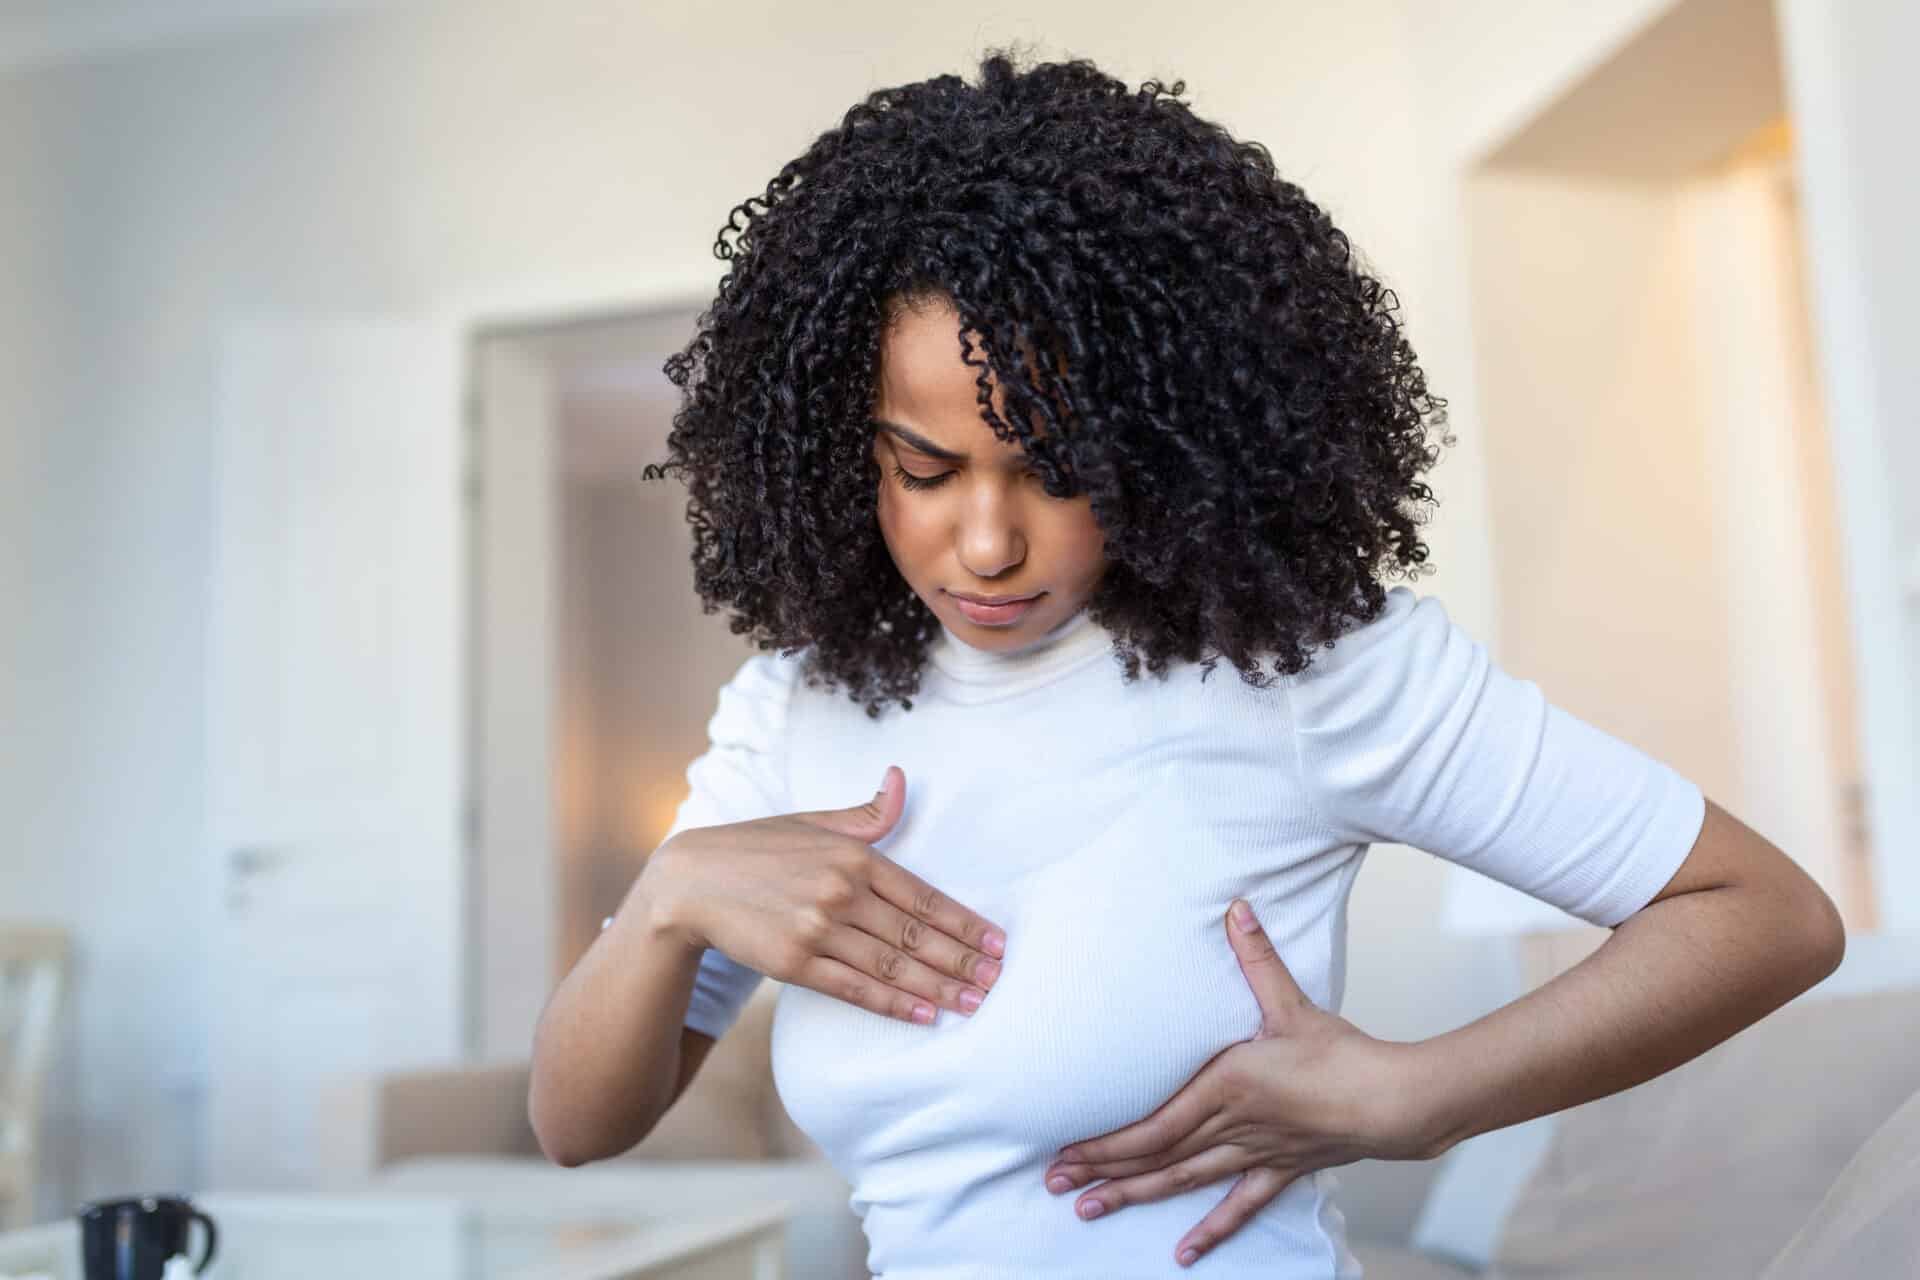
point(336, 673)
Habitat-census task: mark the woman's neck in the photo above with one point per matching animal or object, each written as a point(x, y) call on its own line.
point(1046, 655)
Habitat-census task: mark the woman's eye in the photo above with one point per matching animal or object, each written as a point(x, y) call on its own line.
point(913, 481)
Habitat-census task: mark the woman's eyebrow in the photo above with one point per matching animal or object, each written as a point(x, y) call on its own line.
point(932, 450)
point(919, 441)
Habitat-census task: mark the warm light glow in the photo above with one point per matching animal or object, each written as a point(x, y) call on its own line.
point(648, 807)
point(1769, 144)
point(575, 815)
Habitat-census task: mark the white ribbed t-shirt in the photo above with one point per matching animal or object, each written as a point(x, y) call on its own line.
point(1106, 826)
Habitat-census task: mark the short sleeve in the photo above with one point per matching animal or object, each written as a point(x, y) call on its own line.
point(1407, 733)
point(739, 777)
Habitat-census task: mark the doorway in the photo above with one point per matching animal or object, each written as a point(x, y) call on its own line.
point(1666, 545)
point(594, 670)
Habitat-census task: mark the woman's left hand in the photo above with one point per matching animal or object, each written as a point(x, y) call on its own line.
point(1310, 1090)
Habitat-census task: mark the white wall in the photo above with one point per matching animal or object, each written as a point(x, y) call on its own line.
point(1655, 471)
point(1787, 660)
point(1850, 79)
point(397, 160)
point(515, 682)
point(1597, 451)
point(403, 158)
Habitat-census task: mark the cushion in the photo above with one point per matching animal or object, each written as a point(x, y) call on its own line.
point(1481, 1179)
point(1708, 1169)
point(1391, 1262)
point(723, 1114)
point(1380, 1199)
point(1479, 1182)
point(1869, 1222)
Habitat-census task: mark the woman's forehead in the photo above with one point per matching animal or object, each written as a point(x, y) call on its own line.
point(920, 359)
point(922, 373)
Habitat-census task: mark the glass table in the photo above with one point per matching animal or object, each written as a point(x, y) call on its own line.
point(419, 1236)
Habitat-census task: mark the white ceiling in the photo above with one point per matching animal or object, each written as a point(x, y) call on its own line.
point(1673, 101)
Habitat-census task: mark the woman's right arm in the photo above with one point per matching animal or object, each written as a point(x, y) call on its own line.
point(803, 898)
point(610, 1053)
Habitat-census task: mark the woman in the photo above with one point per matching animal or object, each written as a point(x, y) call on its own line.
point(1005, 377)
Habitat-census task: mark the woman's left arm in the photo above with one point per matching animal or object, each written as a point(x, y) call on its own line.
point(1406, 732)
point(1738, 931)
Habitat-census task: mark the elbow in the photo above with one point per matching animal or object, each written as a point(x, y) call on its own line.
point(564, 1157)
point(569, 1135)
point(556, 1144)
point(1826, 934)
point(557, 1134)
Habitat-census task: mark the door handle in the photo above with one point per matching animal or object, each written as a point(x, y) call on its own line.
point(253, 859)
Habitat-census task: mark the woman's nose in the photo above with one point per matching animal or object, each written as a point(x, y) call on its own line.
point(990, 544)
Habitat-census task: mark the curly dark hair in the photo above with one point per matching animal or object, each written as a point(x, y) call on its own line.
point(1232, 389)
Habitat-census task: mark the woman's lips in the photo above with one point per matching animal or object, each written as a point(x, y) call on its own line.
point(997, 615)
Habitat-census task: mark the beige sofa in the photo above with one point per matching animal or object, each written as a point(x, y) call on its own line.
point(1789, 1152)
point(727, 1141)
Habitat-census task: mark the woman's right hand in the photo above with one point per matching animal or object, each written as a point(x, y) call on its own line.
point(804, 898)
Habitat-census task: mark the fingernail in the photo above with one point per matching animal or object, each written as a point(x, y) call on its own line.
point(1187, 1256)
point(970, 1000)
point(1091, 1209)
point(1059, 1183)
point(995, 942)
point(1243, 915)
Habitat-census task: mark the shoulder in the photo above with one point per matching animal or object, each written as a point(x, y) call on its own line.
point(1411, 637)
point(770, 673)
point(1379, 717)
point(752, 704)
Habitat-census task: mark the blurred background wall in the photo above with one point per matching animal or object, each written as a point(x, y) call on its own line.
point(391, 160)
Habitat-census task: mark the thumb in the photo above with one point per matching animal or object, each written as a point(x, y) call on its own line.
point(1273, 986)
point(871, 820)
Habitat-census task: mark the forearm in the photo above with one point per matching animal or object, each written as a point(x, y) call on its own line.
point(607, 1047)
point(1672, 981)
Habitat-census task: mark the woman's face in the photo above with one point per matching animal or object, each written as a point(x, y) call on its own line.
point(971, 516)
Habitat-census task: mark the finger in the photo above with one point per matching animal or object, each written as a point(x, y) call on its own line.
point(1172, 1120)
point(939, 951)
point(1273, 986)
point(880, 939)
point(1255, 1190)
point(1172, 1179)
point(923, 902)
point(1209, 1136)
point(871, 820)
point(831, 977)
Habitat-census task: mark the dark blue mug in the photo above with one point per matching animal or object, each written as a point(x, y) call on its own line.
point(132, 1239)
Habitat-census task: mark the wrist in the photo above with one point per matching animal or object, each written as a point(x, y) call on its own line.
point(654, 909)
point(1418, 1120)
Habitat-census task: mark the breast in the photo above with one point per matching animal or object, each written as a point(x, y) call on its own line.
point(1118, 985)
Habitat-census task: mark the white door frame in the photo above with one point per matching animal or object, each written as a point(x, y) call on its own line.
point(494, 1009)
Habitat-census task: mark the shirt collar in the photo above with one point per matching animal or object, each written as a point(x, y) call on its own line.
point(996, 672)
